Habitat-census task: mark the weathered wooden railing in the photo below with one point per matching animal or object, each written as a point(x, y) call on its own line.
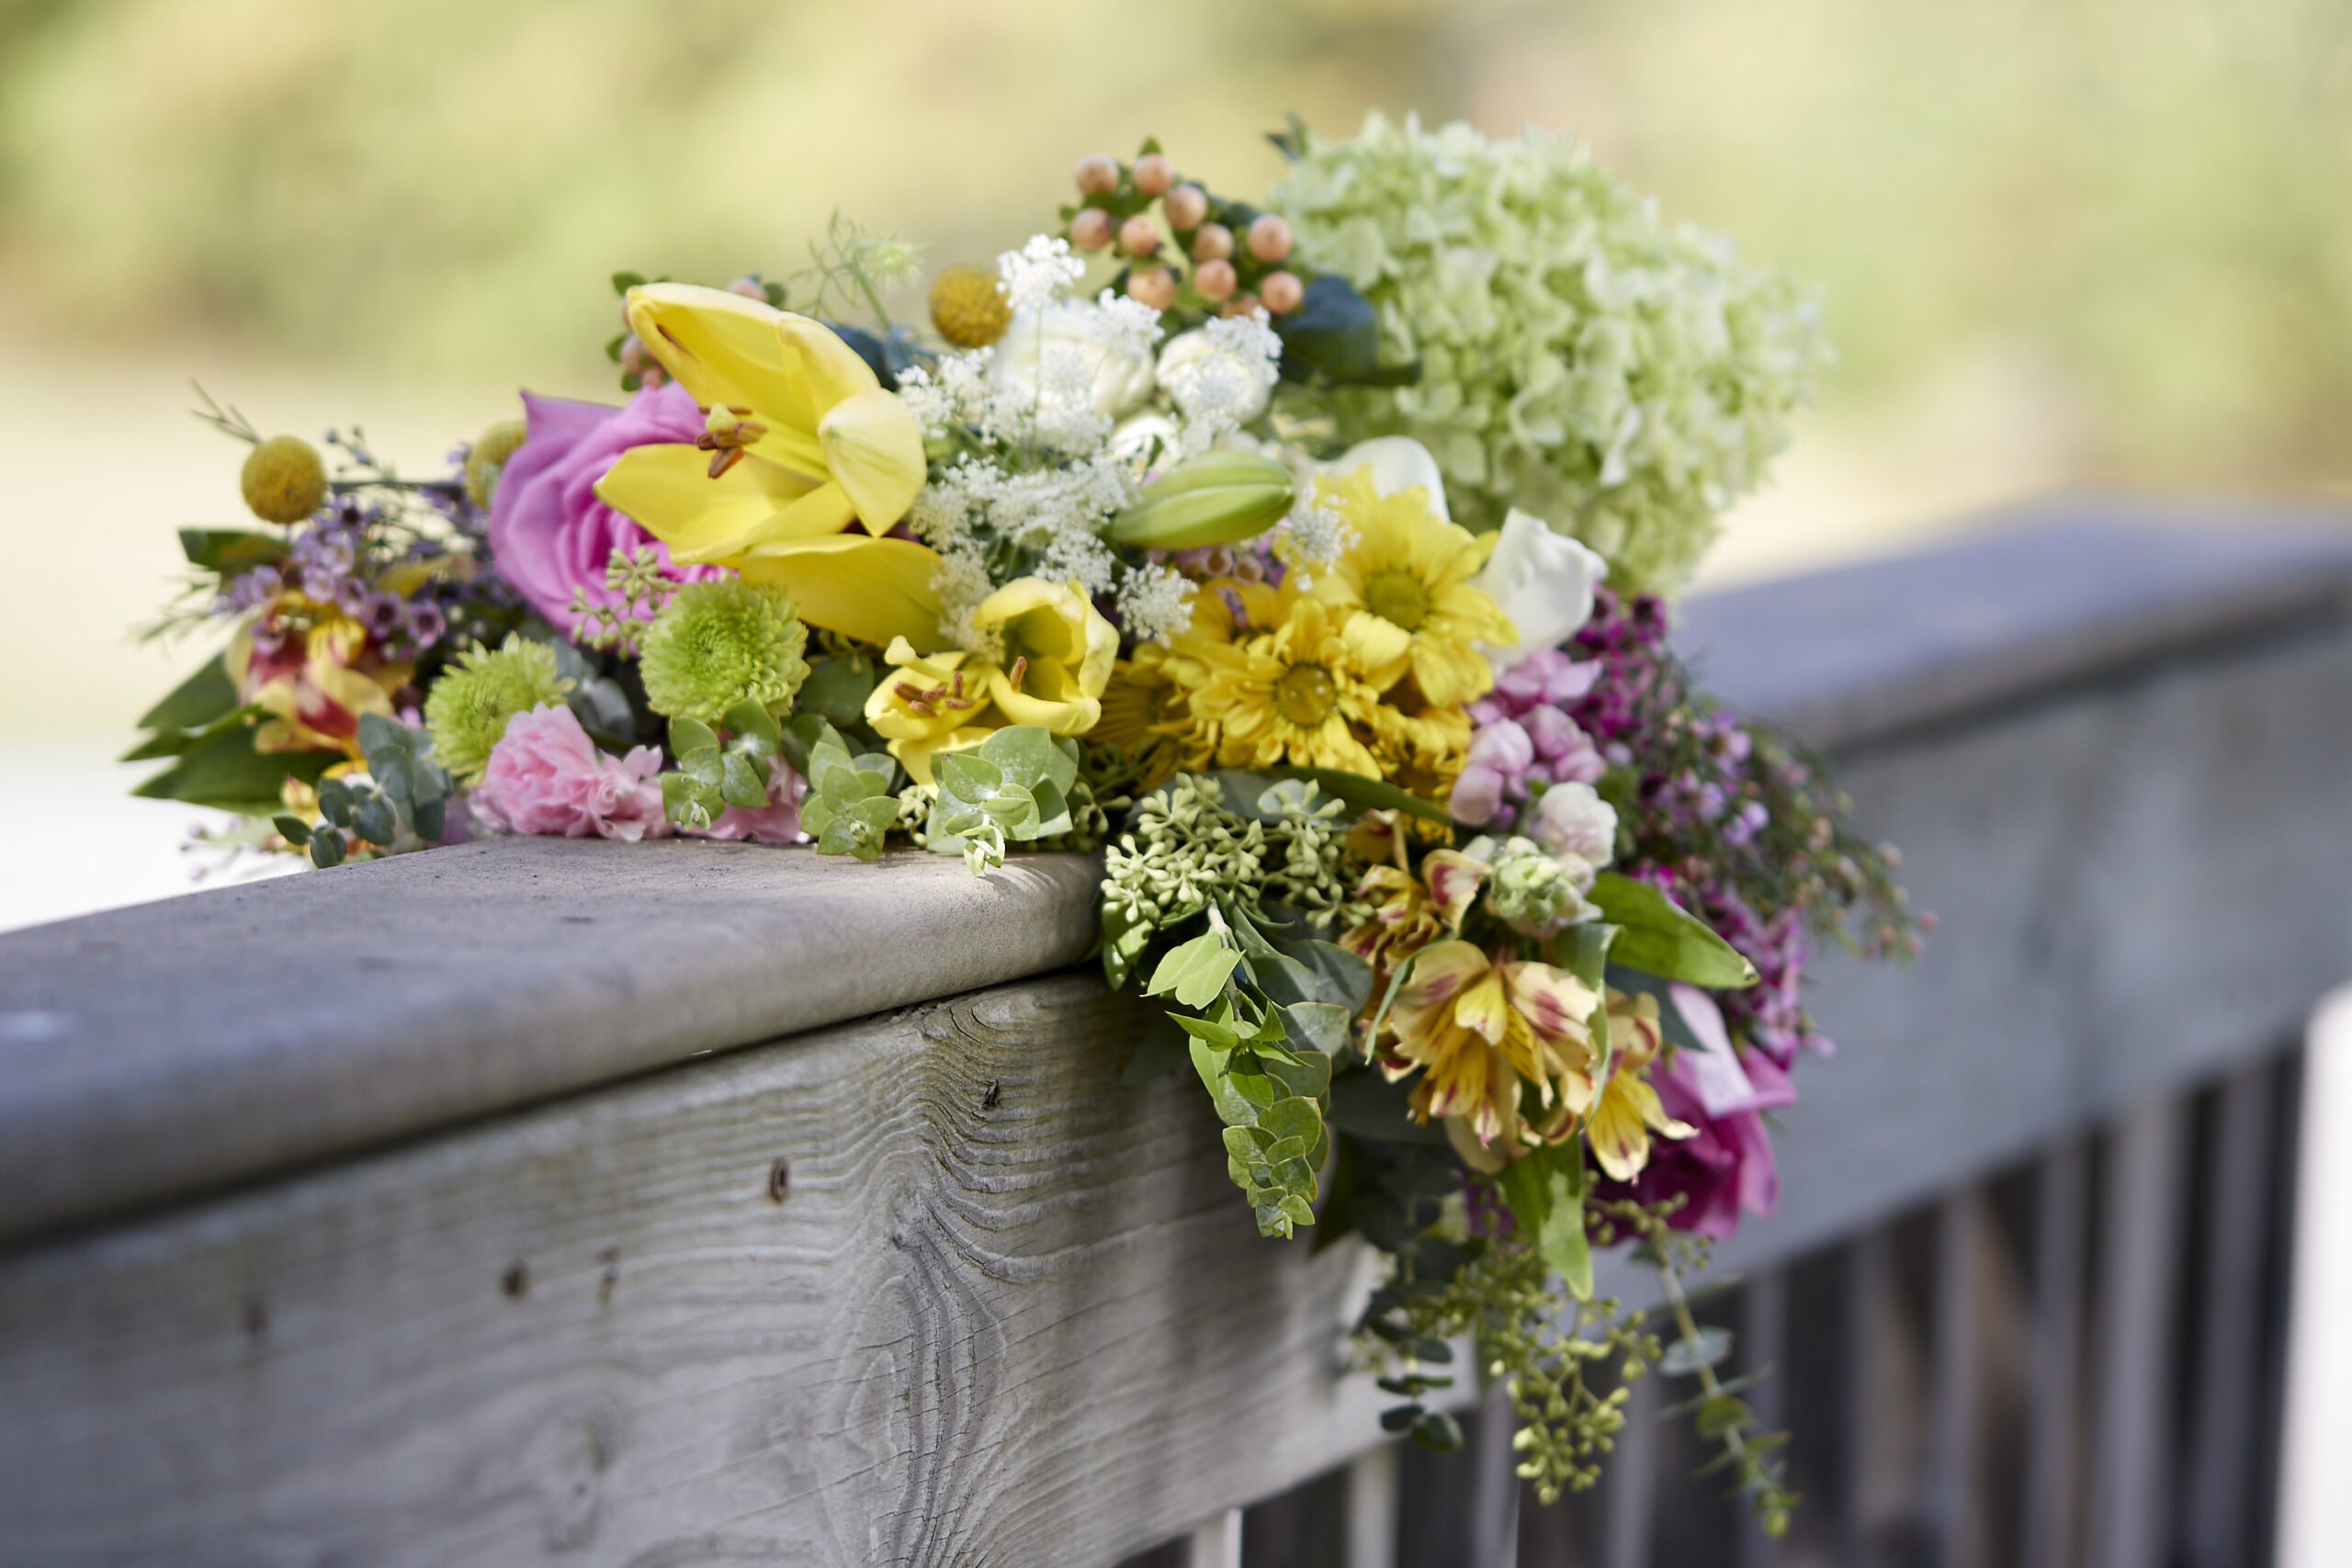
point(468, 1208)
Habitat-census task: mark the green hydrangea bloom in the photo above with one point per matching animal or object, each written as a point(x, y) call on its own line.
point(719, 642)
point(1623, 379)
point(468, 707)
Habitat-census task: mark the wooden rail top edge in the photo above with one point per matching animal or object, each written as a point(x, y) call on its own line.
point(151, 1053)
point(2065, 591)
point(176, 1046)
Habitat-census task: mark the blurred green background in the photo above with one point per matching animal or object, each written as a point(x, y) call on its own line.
point(2060, 244)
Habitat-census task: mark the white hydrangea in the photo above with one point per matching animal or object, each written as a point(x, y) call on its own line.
point(1038, 271)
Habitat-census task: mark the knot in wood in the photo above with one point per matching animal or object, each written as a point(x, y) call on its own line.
point(779, 1180)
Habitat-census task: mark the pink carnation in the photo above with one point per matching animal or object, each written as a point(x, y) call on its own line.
point(548, 531)
point(546, 776)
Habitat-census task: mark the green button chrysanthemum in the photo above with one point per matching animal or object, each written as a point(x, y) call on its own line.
point(718, 643)
point(479, 692)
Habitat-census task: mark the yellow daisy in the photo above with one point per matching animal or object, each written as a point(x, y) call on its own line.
point(1294, 695)
point(1402, 592)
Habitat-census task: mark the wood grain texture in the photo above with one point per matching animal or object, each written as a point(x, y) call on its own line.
point(1037, 1332)
point(167, 1049)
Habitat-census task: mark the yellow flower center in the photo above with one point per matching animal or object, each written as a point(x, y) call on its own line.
point(1305, 695)
point(1399, 597)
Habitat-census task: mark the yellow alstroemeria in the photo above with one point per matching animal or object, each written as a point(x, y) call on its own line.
point(1058, 652)
point(801, 442)
point(315, 681)
point(1628, 1109)
point(1480, 1031)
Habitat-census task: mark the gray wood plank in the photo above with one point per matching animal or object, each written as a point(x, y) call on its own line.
point(2054, 1435)
point(160, 1051)
point(1029, 1328)
point(1954, 1503)
point(2130, 1497)
point(2217, 1501)
point(1763, 1349)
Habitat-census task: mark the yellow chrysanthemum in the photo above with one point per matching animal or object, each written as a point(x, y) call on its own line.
point(1479, 1031)
point(1294, 695)
point(1402, 592)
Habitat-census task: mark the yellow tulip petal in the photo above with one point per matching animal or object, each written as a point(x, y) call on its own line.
point(874, 446)
point(1048, 695)
point(668, 488)
point(872, 590)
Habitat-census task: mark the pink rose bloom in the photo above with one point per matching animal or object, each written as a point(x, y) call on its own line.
point(778, 823)
point(548, 531)
point(546, 776)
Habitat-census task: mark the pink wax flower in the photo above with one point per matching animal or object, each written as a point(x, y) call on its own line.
point(548, 531)
point(778, 823)
point(546, 776)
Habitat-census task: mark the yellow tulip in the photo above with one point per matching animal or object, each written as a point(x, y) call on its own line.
point(1057, 654)
point(936, 703)
point(799, 442)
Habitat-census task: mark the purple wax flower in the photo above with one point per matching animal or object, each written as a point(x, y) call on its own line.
point(549, 532)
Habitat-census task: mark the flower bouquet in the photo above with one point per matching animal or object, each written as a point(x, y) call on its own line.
point(1302, 557)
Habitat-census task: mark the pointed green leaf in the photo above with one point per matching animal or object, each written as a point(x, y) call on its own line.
point(1666, 939)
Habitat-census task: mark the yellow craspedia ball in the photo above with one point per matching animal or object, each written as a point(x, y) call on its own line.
point(968, 308)
point(489, 457)
point(284, 480)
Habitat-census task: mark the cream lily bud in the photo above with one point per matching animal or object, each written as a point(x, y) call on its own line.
point(1216, 498)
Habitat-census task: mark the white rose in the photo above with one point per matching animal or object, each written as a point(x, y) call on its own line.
point(1543, 581)
point(1577, 829)
point(1122, 377)
point(1197, 354)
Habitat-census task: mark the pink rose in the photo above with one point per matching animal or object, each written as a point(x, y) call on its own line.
point(779, 823)
point(548, 531)
point(546, 776)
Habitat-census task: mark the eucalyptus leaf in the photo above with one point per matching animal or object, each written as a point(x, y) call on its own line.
point(1195, 973)
point(1685, 1357)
